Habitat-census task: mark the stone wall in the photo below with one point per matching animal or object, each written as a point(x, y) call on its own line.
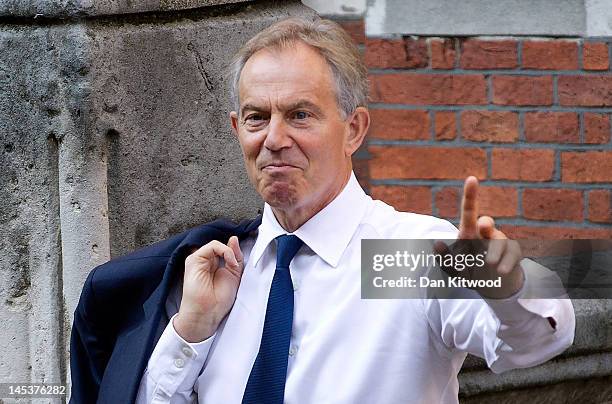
point(114, 133)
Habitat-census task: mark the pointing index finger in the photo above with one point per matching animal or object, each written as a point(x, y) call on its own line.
point(468, 225)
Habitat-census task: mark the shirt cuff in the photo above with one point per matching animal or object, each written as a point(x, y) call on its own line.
point(517, 307)
point(175, 363)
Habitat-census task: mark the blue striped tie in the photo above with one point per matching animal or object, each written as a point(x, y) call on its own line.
point(266, 383)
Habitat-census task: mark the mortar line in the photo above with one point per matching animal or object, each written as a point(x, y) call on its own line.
point(434, 206)
point(555, 80)
point(572, 147)
point(477, 72)
point(491, 182)
point(432, 126)
point(609, 56)
point(457, 43)
point(454, 107)
point(580, 54)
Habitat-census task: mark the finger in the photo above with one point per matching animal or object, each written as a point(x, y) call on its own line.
point(235, 246)
point(497, 235)
point(441, 248)
point(230, 258)
point(486, 227)
point(495, 251)
point(216, 249)
point(468, 227)
point(509, 260)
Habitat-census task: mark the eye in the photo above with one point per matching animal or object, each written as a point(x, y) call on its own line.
point(254, 118)
point(301, 115)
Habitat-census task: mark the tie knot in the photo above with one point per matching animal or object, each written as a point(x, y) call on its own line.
point(287, 246)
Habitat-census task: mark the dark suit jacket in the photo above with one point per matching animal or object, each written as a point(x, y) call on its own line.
point(121, 313)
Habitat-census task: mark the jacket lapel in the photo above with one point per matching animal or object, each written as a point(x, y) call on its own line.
point(134, 347)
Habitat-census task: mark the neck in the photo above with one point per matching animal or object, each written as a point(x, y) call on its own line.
point(293, 217)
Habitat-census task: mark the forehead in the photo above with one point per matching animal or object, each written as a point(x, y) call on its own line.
point(283, 75)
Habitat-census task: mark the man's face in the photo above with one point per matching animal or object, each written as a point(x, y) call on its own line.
point(293, 137)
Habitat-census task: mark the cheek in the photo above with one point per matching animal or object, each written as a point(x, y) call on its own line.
point(251, 146)
point(330, 151)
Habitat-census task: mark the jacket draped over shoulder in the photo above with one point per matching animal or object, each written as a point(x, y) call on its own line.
point(120, 314)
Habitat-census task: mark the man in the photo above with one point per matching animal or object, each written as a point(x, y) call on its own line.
point(277, 316)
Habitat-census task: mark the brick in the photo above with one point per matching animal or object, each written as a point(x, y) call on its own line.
point(399, 124)
point(442, 52)
point(355, 28)
point(427, 162)
point(404, 53)
point(405, 198)
point(553, 232)
point(553, 204)
point(498, 201)
point(595, 56)
point(552, 127)
point(588, 91)
point(385, 53)
point(586, 167)
point(417, 53)
point(479, 54)
point(448, 202)
point(490, 126)
point(428, 89)
point(522, 164)
point(522, 90)
point(445, 125)
point(596, 128)
point(550, 55)
point(492, 201)
point(600, 206)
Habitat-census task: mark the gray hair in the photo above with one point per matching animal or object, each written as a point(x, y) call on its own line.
point(329, 39)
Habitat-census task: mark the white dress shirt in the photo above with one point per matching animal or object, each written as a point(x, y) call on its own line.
point(345, 349)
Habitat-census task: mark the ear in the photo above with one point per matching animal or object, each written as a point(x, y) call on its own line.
point(234, 122)
point(359, 123)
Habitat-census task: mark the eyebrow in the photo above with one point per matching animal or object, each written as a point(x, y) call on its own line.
point(289, 107)
point(249, 107)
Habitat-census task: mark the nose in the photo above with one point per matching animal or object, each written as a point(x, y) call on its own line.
point(277, 137)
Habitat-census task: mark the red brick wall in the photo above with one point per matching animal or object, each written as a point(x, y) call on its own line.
point(530, 117)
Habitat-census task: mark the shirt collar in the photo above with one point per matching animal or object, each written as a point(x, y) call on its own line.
point(328, 232)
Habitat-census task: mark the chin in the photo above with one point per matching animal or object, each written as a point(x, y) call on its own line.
point(280, 195)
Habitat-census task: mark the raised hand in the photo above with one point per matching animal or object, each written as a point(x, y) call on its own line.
point(210, 284)
point(503, 255)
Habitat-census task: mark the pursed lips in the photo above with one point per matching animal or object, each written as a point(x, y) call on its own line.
point(278, 166)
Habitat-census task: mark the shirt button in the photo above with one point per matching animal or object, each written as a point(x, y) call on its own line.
point(293, 350)
point(187, 352)
point(296, 285)
point(179, 363)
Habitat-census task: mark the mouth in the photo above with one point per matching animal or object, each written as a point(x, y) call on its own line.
point(278, 167)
